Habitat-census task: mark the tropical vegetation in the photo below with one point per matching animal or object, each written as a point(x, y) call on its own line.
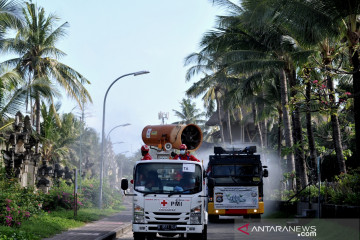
point(282, 74)
point(292, 67)
point(30, 83)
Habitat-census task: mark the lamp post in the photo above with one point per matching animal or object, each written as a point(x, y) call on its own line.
point(103, 133)
point(121, 165)
point(107, 139)
point(121, 125)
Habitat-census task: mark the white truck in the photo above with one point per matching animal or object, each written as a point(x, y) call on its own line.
point(169, 198)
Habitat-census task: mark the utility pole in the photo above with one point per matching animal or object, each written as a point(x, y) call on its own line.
point(162, 116)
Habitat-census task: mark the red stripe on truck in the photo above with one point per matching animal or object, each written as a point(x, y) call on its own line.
point(235, 211)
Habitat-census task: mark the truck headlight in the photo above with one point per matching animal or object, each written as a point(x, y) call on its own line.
point(139, 214)
point(195, 215)
point(256, 179)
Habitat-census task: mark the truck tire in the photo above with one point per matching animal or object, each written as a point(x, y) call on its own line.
point(150, 236)
point(214, 218)
point(199, 236)
point(204, 233)
point(139, 236)
point(256, 217)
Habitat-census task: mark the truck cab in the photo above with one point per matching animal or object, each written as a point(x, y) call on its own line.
point(169, 198)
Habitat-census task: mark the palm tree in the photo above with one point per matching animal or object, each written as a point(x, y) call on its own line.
point(10, 16)
point(309, 128)
point(189, 113)
point(11, 97)
point(254, 46)
point(38, 61)
point(257, 50)
point(314, 21)
point(59, 136)
point(13, 93)
point(207, 63)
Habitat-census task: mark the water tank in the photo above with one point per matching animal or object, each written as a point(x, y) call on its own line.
point(161, 135)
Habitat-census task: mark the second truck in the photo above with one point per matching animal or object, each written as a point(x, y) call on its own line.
point(235, 183)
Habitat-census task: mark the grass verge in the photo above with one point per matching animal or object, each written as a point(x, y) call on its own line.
point(48, 224)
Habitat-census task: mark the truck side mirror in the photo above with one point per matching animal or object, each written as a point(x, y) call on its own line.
point(124, 184)
point(266, 173)
point(211, 182)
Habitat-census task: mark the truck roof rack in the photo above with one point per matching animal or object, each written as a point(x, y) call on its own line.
point(250, 150)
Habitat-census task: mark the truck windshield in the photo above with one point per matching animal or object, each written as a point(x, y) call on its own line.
point(168, 178)
point(234, 173)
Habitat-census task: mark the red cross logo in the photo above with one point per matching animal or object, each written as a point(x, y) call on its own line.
point(163, 203)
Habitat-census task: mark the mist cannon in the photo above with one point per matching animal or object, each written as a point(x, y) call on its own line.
point(171, 136)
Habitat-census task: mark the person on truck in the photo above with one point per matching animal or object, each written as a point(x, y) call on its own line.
point(188, 183)
point(184, 154)
point(153, 181)
point(145, 152)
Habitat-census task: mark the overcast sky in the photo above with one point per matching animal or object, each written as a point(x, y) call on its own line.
point(110, 38)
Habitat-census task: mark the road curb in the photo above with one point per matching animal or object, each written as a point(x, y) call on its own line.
point(116, 233)
point(123, 230)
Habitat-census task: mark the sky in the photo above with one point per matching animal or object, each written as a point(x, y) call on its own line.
point(111, 38)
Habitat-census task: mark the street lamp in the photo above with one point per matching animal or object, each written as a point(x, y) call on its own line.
point(103, 132)
point(121, 125)
point(121, 165)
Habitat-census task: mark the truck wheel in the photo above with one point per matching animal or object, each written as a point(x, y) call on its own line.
point(150, 236)
point(256, 217)
point(199, 236)
point(213, 218)
point(204, 233)
point(139, 236)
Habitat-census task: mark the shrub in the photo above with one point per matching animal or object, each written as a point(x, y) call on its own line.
point(12, 215)
point(90, 192)
point(345, 189)
point(7, 233)
point(112, 198)
point(60, 197)
point(16, 204)
point(314, 191)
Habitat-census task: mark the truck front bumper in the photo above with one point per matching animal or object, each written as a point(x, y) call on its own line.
point(153, 228)
point(234, 212)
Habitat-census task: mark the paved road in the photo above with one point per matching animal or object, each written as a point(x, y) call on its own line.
point(227, 229)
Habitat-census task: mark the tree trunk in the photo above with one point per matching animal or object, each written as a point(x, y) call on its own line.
point(242, 137)
point(37, 121)
point(286, 120)
point(229, 126)
point(263, 124)
point(356, 89)
point(279, 132)
point(301, 171)
point(264, 132)
point(38, 113)
point(336, 128)
point(257, 125)
point(299, 151)
point(310, 134)
point(219, 117)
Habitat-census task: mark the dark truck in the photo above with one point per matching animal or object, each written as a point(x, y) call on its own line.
point(235, 183)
